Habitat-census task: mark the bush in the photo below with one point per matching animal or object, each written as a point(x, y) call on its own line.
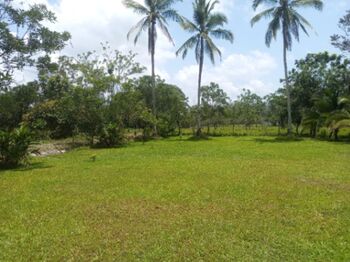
point(164, 128)
point(323, 133)
point(111, 136)
point(14, 147)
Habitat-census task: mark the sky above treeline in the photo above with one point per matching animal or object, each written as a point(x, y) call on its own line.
point(247, 63)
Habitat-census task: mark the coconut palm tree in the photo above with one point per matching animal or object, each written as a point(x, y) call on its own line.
point(155, 12)
point(207, 24)
point(284, 16)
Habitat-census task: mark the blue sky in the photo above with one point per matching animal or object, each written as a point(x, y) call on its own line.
point(248, 63)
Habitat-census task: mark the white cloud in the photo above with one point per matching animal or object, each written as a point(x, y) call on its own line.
point(237, 71)
point(91, 22)
point(105, 20)
point(226, 6)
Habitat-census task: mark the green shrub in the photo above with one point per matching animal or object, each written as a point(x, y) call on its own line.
point(164, 128)
point(110, 136)
point(14, 147)
point(323, 133)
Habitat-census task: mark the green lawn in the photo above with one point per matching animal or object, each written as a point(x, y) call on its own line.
point(225, 199)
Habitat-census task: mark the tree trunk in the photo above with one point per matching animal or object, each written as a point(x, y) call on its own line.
point(180, 130)
point(201, 62)
point(297, 129)
point(336, 131)
point(154, 109)
point(289, 106)
point(279, 129)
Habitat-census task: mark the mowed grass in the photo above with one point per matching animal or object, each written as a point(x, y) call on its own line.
point(225, 199)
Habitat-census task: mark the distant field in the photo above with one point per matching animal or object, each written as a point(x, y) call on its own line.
point(224, 199)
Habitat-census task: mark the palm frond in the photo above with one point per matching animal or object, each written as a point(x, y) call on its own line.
point(139, 27)
point(342, 124)
point(222, 34)
point(211, 49)
point(187, 25)
point(136, 7)
point(211, 6)
point(344, 101)
point(317, 4)
point(293, 25)
point(273, 27)
point(257, 3)
point(264, 14)
point(303, 23)
point(215, 20)
point(165, 4)
point(189, 44)
point(173, 15)
point(163, 27)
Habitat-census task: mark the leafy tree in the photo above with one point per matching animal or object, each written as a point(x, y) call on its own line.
point(343, 41)
point(285, 16)
point(250, 107)
point(84, 111)
point(171, 106)
point(144, 85)
point(14, 147)
point(214, 102)
point(52, 79)
point(121, 66)
point(319, 82)
point(276, 110)
point(232, 111)
point(43, 119)
point(55, 87)
point(15, 103)
point(207, 25)
point(23, 34)
point(88, 71)
point(145, 120)
point(111, 135)
point(155, 13)
point(127, 105)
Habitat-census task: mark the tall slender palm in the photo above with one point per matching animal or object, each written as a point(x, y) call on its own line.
point(284, 16)
point(155, 12)
point(206, 24)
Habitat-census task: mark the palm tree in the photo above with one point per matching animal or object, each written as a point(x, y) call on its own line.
point(206, 25)
point(339, 118)
point(325, 113)
point(284, 16)
point(155, 12)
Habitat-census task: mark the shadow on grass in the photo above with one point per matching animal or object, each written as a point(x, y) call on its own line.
point(24, 168)
point(198, 138)
point(340, 141)
point(279, 140)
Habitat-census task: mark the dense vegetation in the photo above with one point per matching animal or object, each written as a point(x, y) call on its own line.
point(106, 96)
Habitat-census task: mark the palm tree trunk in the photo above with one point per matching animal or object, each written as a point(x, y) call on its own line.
point(201, 62)
point(154, 109)
point(289, 107)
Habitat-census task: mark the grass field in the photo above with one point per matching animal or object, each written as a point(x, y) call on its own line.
point(225, 199)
